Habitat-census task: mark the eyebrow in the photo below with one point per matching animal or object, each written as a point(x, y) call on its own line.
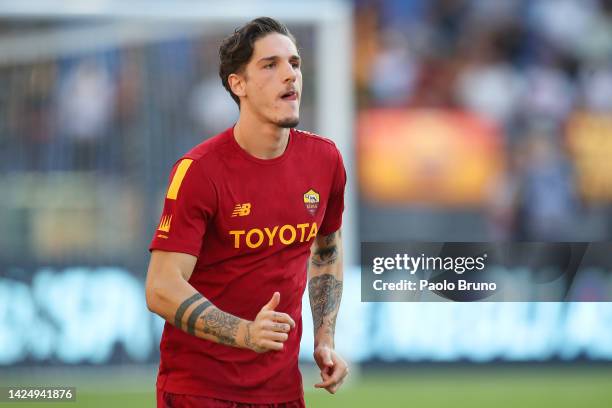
point(275, 57)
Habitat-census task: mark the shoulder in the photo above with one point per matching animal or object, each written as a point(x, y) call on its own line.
point(207, 155)
point(317, 144)
point(193, 174)
point(209, 149)
point(313, 138)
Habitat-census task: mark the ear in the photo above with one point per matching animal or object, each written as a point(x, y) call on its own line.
point(237, 84)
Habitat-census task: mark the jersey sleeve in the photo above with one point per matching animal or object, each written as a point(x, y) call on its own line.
point(332, 219)
point(189, 205)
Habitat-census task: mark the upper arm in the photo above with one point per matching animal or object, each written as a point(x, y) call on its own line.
point(326, 241)
point(332, 220)
point(326, 252)
point(166, 266)
point(189, 205)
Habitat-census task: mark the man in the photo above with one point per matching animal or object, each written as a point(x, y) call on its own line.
point(244, 212)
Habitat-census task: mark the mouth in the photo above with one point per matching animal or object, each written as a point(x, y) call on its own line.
point(291, 95)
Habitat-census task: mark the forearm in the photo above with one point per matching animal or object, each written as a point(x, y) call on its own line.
point(325, 286)
point(182, 306)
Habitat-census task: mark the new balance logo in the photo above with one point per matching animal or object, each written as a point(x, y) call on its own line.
point(164, 224)
point(242, 210)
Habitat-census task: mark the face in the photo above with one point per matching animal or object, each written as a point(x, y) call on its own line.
point(271, 84)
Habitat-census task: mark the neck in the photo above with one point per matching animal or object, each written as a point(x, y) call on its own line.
point(261, 140)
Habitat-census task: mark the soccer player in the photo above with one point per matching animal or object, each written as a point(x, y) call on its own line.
point(249, 217)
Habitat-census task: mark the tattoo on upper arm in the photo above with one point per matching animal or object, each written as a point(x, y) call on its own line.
point(325, 256)
point(178, 317)
point(329, 239)
point(325, 292)
point(193, 317)
point(222, 325)
point(328, 254)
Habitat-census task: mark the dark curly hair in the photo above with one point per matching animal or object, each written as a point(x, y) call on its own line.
point(237, 49)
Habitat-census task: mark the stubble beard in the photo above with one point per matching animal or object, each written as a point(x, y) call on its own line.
point(288, 123)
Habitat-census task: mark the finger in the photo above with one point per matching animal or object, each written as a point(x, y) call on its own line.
point(324, 376)
point(334, 388)
point(279, 317)
point(277, 327)
point(332, 385)
point(283, 318)
point(271, 305)
point(333, 375)
point(325, 384)
point(275, 336)
point(326, 373)
point(337, 376)
point(327, 381)
point(271, 345)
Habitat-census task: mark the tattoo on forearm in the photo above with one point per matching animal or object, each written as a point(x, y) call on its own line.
point(178, 317)
point(193, 317)
point(222, 325)
point(327, 255)
point(325, 292)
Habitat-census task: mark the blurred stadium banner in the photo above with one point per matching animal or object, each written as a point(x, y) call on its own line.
point(589, 138)
point(97, 315)
point(427, 157)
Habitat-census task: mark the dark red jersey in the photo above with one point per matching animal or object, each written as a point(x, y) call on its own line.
point(251, 223)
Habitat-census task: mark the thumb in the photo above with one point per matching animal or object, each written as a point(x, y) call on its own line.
point(271, 305)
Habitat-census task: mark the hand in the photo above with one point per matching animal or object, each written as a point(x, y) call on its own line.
point(333, 368)
point(269, 329)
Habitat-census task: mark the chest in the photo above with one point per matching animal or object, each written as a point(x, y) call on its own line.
point(270, 207)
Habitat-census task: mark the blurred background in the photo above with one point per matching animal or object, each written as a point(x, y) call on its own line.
point(459, 120)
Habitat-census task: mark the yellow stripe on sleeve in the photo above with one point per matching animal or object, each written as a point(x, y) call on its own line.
point(181, 170)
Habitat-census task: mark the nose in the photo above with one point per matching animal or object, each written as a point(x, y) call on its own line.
point(289, 74)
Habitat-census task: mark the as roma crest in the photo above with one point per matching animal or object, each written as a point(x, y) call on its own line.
point(311, 201)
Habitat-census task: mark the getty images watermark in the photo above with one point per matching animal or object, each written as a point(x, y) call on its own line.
point(412, 264)
point(462, 271)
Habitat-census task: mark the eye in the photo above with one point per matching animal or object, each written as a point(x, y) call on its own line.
point(295, 65)
point(269, 65)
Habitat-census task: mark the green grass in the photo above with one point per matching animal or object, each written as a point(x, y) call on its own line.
point(472, 387)
point(95, 400)
point(119, 399)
